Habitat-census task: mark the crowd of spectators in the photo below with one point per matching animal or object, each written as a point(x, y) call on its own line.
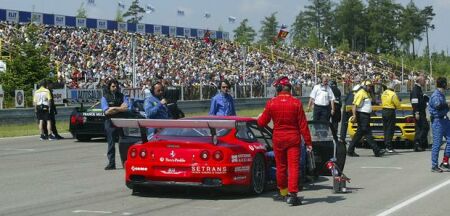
point(86, 58)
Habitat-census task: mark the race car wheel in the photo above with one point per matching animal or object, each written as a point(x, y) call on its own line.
point(84, 138)
point(258, 178)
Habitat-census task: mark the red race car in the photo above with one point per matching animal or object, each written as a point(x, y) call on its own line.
point(215, 152)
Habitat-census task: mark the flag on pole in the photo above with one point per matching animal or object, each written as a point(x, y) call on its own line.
point(206, 37)
point(121, 5)
point(282, 34)
point(207, 15)
point(180, 12)
point(231, 19)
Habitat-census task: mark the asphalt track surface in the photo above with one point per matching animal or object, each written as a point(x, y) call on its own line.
point(66, 177)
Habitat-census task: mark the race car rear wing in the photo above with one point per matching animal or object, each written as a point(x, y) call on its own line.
point(170, 123)
point(180, 123)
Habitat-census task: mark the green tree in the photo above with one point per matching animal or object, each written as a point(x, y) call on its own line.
point(29, 63)
point(244, 33)
point(135, 12)
point(319, 13)
point(351, 22)
point(119, 15)
point(82, 12)
point(383, 16)
point(269, 29)
point(301, 29)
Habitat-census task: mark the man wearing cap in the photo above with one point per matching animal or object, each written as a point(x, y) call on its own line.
point(346, 115)
point(390, 103)
point(419, 103)
point(322, 97)
point(440, 123)
point(362, 108)
point(290, 125)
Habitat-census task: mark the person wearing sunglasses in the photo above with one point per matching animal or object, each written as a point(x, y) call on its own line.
point(222, 104)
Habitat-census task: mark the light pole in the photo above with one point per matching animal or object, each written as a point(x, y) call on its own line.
point(133, 69)
point(428, 49)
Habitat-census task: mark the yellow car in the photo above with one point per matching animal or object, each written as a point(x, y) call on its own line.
point(404, 126)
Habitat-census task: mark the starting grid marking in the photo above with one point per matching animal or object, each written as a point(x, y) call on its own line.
point(413, 199)
point(97, 212)
point(369, 167)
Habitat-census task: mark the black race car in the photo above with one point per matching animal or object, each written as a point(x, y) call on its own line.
point(87, 123)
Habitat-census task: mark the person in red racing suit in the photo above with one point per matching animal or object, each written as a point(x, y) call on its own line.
point(290, 125)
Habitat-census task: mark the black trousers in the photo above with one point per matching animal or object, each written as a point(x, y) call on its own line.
point(363, 130)
point(422, 129)
point(336, 118)
point(344, 124)
point(52, 119)
point(112, 133)
point(322, 113)
point(388, 126)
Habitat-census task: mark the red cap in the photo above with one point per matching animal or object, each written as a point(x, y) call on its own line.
point(282, 81)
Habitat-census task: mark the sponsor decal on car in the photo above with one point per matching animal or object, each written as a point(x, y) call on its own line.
point(172, 160)
point(239, 158)
point(171, 171)
point(239, 178)
point(133, 168)
point(256, 147)
point(209, 169)
point(242, 169)
point(93, 114)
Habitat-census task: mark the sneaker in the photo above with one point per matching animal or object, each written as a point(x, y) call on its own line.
point(51, 137)
point(436, 169)
point(380, 153)
point(43, 137)
point(418, 149)
point(391, 151)
point(444, 166)
point(59, 137)
point(293, 200)
point(352, 154)
point(279, 197)
point(110, 167)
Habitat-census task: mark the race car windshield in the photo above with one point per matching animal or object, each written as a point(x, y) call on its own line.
point(192, 132)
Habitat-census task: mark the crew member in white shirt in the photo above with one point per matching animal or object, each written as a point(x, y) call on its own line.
point(322, 98)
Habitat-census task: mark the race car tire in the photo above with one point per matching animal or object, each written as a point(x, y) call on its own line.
point(83, 138)
point(258, 175)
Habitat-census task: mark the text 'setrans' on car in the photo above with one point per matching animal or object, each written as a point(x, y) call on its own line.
point(217, 152)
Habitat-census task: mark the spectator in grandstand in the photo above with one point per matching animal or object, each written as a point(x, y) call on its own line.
point(155, 106)
point(223, 103)
point(113, 104)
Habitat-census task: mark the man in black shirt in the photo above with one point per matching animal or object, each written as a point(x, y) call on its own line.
point(419, 103)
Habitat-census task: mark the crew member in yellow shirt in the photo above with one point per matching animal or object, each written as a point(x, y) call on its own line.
point(362, 108)
point(390, 103)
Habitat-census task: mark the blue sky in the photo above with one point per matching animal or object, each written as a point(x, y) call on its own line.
point(254, 10)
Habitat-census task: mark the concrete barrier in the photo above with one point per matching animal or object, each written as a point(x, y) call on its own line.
point(26, 115)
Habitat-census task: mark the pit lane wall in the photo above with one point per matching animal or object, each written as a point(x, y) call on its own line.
point(26, 115)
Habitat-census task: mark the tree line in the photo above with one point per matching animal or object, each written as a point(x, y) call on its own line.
point(378, 26)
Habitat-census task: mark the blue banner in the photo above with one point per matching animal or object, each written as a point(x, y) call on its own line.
point(15, 16)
